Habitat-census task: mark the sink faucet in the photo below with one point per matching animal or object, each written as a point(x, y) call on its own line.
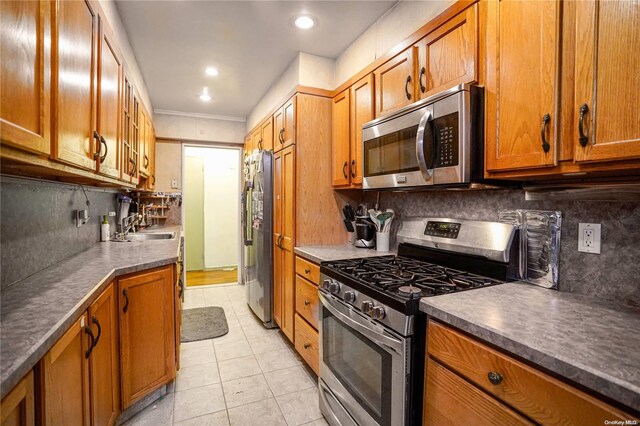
point(128, 223)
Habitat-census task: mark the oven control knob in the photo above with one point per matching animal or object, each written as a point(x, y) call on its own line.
point(334, 287)
point(326, 284)
point(377, 313)
point(367, 306)
point(349, 296)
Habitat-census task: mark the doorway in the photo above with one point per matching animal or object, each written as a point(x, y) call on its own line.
point(212, 211)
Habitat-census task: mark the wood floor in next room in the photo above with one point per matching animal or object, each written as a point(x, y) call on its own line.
point(250, 376)
point(213, 276)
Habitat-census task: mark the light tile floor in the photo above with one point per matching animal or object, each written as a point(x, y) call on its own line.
point(250, 376)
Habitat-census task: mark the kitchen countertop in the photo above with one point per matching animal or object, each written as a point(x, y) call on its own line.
point(38, 310)
point(319, 254)
point(589, 343)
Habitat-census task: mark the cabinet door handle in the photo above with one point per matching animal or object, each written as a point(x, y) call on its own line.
point(307, 345)
point(96, 136)
point(106, 149)
point(260, 144)
point(95, 321)
point(146, 161)
point(154, 179)
point(344, 170)
point(353, 169)
point(406, 87)
point(422, 87)
point(281, 135)
point(306, 302)
point(545, 122)
point(494, 378)
point(88, 331)
point(584, 139)
point(134, 164)
point(125, 293)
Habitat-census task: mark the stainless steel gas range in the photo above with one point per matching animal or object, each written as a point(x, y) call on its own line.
point(372, 336)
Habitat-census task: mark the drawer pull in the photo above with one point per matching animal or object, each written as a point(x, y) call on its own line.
point(306, 302)
point(307, 271)
point(307, 345)
point(494, 378)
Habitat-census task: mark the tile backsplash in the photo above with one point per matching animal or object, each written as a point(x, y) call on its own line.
point(38, 226)
point(613, 276)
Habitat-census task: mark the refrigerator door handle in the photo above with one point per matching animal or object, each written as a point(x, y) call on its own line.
point(247, 231)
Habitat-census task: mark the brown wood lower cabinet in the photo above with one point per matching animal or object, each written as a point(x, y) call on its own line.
point(307, 343)
point(104, 368)
point(18, 407)
point(306, 312)
point(467, 382)
point(147, 327)
point(65, 370)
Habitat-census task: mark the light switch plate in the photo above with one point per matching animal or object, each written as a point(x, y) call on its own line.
point(589, 237)
point(174, 183)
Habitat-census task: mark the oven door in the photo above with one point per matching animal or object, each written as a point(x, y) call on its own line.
point(398, 152)
point(363, 369)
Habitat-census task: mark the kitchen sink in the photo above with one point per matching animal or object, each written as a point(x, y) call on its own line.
point(145, 236)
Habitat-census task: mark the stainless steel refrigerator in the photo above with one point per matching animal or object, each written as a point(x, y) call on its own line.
point(257, 229)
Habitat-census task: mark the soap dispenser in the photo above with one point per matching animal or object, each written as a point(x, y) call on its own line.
point(104, 229)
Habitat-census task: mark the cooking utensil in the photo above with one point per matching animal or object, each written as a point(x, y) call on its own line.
point(362, 210)
point(349, 225)
point(382, 218)
point(387, 223)
point(349, 213)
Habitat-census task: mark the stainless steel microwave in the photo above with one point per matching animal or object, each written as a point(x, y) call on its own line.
point(436, 141)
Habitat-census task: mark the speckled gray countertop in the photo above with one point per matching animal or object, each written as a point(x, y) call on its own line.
point(319, 254)
point(36, 311)
point(593, 345)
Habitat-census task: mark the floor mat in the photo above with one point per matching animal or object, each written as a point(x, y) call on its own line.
point(203, 323)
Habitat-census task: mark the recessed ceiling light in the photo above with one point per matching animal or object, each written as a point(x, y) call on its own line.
point(211, 71)
point(205, 95)
point(304, 22)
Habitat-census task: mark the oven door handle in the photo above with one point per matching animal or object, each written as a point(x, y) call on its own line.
point(425, 163)
point(381, 339)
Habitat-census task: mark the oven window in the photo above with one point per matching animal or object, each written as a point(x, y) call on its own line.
point(363, 367)
point(391, 153)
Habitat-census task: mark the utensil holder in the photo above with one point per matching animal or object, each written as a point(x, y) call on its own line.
point(382, 241)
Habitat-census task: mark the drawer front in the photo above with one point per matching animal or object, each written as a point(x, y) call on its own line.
point(307, 301)
point(451, 400)
point(309, 270)
point(307, 343)
point(537, 395)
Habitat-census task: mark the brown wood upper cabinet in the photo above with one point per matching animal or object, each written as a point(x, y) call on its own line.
point(448, 56)
point(340, 139)
point(86, 87)
point(145, 124)
point(607, 81)
point(284, 127)
point(25, 74)
point(351, 109)
point(395, 83)
point(522, 67)
point(248, 144)
point(262, 136)
point(147, 340)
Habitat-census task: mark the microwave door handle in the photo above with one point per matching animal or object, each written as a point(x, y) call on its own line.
point(380, 339)
point(425, 135)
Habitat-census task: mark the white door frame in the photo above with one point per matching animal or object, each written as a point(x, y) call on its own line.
point(239, 148)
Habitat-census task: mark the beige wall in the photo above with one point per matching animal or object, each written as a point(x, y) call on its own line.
point(394, 26)
point(168, 165)
point(113, 17)
point(194, 212)
point(193, 127)
point(305, 69)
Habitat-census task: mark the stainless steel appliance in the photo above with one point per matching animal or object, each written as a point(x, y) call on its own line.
point(257, 231)
point(372, 336)
point(436, 141)
point(365, 232)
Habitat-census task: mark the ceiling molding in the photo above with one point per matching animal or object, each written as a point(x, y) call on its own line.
point(198, 115)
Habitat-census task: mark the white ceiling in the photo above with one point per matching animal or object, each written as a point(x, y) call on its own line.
point(250, 42)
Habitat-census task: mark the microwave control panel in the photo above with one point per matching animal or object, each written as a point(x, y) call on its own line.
point(442, 229)
point(446, 128)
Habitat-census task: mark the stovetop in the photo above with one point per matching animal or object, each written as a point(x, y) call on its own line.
point(400, 281)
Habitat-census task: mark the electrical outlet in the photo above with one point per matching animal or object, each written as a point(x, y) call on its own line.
point(589, 237)
point(174, 183)
point(112, 214)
